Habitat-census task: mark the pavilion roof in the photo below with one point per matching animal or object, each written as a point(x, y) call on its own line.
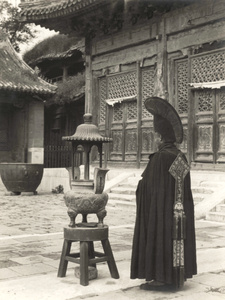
point(65, 16)
point(16, 75)
point(33, 59)
point(40, 10)
point(84, 17)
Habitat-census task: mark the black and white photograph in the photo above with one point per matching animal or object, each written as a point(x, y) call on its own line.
point(112, 149)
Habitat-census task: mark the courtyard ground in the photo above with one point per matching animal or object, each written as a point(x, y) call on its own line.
point(31, 238)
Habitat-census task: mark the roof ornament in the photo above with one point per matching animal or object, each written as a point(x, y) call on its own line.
point(87, 132)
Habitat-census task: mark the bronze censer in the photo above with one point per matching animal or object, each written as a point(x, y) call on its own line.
point(86, 196)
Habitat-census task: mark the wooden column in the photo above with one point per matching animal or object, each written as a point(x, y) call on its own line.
point(88, 77)
point(65, 73)
point(161, 82)
point(191, 116)
point(139, 108)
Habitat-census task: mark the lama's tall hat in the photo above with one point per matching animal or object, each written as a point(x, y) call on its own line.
point(166, 119)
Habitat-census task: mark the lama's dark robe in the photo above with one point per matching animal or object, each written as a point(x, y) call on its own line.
point(152, 251)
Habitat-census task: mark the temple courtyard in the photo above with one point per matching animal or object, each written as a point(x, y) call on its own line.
point(31, 239)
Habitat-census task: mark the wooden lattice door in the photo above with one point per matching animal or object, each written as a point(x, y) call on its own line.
point(121, 88)
point(124, 131)
point(207, 70)
point(209, 129)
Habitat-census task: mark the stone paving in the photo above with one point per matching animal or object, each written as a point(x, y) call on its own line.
point(31, 237)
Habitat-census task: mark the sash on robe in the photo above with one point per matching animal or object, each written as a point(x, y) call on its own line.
point(179, 169)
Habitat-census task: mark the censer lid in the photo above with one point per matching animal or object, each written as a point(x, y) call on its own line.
point(87, 132)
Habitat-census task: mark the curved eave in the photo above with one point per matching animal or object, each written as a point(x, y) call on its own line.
point(16, 75)
point(51, 57)
point(75, 7)
point(10, 87)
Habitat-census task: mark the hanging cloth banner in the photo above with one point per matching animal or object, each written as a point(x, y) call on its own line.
point(179, 169)
point(112, 102)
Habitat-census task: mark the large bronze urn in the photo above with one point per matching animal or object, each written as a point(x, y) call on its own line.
point(21, 177)
point(86, 195)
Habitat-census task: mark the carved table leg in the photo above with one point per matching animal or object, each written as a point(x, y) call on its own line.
point(101, 215)
point(84, 263)
point(72, 216)
point(111, 261)
point(63, 262)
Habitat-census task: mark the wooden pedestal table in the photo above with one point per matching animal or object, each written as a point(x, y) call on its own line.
point(87, 256)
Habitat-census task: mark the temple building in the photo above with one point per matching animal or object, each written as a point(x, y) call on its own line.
point(22, 96)
point(60, 60)
point(136, 49)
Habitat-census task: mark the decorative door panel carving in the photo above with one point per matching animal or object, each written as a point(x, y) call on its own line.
point(183, 146)
point(181, 92)
point(147, 136)
point(220, 97)
point(130, 130)
point(117, 145)
point(204, 126)
point(102, 98)
point(117, 133)
point(221, 150)
point(131, 144)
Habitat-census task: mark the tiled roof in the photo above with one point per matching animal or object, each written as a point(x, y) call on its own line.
point(41, 10)
point(63, 55)
point(16, 75)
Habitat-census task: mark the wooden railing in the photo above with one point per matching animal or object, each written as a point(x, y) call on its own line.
point(60, 157)
point(57, 156)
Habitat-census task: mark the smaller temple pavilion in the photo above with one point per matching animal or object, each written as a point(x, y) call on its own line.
point(22, 97)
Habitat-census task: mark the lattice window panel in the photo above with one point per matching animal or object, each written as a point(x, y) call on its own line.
point(222, 100)
point(182, 86)
point(147, 89)
point(122, 85)
point(208, 67)
point(205, 100)
point(102, 97)
point(132, 110)
point(118, 112)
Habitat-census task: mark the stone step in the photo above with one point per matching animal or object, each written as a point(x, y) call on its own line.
point(129, 190)
point(220, 208)
point(216, 216)
point(124, 197)
point(127, 205)
point(133, 181)
point(197, 197)
point(128, 186)
point(213, 184)
point(207, 176)
point(125, 191)
point(202, 190)
point(132, 197)
point(123, 194)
